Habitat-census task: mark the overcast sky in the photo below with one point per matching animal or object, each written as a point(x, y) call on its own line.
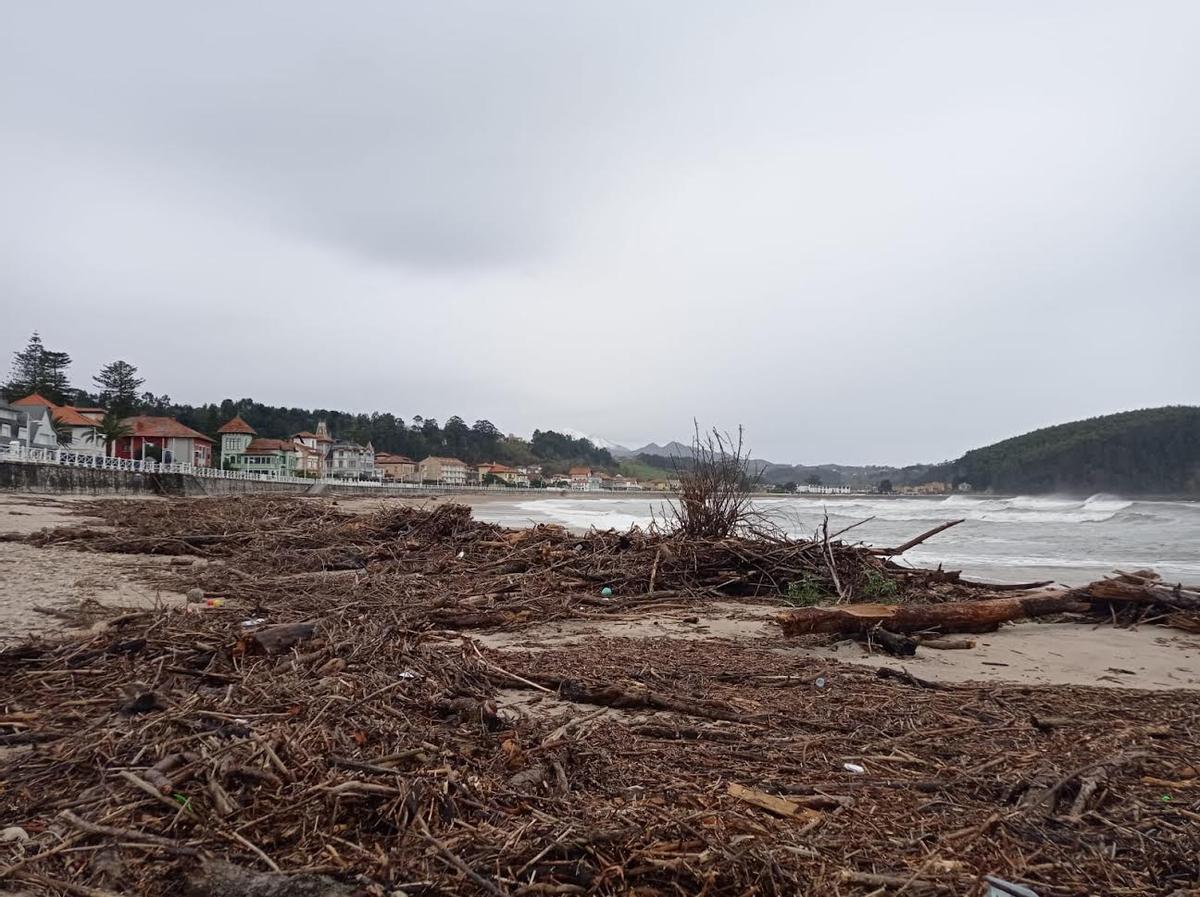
point(869, 232)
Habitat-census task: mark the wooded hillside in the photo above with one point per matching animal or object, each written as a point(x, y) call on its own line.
point(1152, 451)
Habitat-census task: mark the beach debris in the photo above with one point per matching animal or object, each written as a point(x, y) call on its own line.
point(274, 639)
point(13, 833)
point(141, 702)
point(998, 887)
point(779, 806)
point(944, 643)
point(219, 878)
point(383, 751)
point(896, 645)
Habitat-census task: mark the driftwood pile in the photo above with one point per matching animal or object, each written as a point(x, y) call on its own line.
point(327, 733)
point(289, 552)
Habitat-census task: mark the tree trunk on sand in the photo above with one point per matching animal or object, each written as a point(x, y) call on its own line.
point(958, 616)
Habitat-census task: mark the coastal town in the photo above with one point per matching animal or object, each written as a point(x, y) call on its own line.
point(34, 422)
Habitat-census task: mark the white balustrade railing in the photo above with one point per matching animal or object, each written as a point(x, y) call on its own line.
point(14, 451)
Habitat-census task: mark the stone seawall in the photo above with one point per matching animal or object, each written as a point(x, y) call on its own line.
point(55, 478)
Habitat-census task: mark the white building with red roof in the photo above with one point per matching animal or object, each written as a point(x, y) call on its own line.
point(314, 449)
point(172, 441)
point(83, 429)
point(583, 479)
point(395, 467)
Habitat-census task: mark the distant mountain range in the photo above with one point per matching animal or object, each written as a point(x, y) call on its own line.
point(622, 453)
point(1150, 451)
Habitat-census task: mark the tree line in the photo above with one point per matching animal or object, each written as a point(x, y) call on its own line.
point(118, 388)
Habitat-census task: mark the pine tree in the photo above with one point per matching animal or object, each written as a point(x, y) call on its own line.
point(35, 369)
point(118, 383)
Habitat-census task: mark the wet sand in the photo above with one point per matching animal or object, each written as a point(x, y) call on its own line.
point(1149, 657)
point(49, 591)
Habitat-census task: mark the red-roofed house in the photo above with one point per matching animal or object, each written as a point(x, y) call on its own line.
point(235, 435)
point(314, 449)
point(243, 449)
point(502, 472)
point(84, 438)
point(395, 467)
point(177, 443)
point(275, 456)
point(583, 480)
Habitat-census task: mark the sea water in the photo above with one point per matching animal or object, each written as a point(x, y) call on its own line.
point(1071, 540)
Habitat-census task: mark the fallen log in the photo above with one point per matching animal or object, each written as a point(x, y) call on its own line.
point(1176, 598)
point(1186, 622)
point(959, 616)
point(1121, 590)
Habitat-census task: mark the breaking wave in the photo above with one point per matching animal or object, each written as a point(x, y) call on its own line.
point(1019, 509)
point(621, 513)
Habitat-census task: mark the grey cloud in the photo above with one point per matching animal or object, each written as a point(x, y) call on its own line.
point(869, 232)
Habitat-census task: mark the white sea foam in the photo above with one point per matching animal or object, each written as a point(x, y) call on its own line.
point(621, 513)
point(1020, 509)
point(587, 513)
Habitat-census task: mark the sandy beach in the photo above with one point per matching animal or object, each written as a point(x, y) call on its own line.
point(51, 591)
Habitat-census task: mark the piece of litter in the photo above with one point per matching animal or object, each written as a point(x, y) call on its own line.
point(820, 683)
point(998, 887)
point(461, 555)
point(254, 621)
point(13, 833)
point(854, 767)
point(408, 674)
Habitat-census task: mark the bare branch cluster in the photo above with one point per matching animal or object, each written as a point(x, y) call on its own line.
point(715, 487)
